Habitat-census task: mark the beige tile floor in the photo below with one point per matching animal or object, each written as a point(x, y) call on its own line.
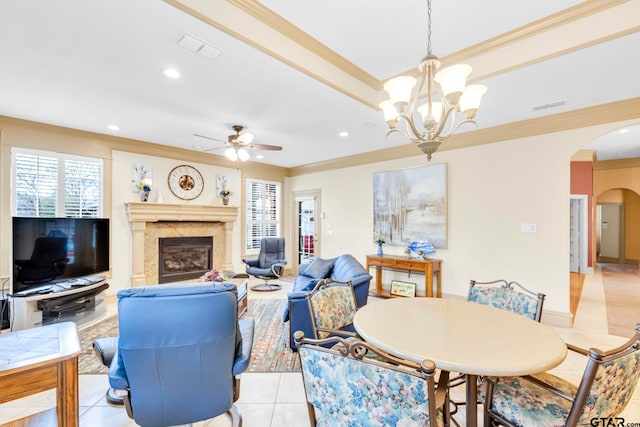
point(277, 399)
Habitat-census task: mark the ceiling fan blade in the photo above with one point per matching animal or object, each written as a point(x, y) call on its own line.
point(263, 147)
point(208, 137)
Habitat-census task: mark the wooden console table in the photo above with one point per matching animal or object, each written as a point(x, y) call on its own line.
point(38, 359)
point(428, 267)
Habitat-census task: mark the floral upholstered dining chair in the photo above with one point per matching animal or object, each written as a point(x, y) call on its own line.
point(344, 389)
point(608, 382)
point(332, 305)
point(510, 296)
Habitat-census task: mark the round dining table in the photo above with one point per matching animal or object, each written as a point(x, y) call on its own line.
point(460, 336)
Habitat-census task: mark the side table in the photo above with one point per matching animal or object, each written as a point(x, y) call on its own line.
point(39, 359)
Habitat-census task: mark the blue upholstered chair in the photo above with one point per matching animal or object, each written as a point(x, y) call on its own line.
point(608, 382)
point(344, 389)
point(180, 351)
point(269, 264)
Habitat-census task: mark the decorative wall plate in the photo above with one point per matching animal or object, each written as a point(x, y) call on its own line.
point(185, 182)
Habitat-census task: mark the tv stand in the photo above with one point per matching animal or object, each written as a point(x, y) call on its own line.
point(64, 301)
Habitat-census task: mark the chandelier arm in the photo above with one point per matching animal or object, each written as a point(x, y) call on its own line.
point(411, 127)
point(455, 129)
point(405, 134)
point(443, 121)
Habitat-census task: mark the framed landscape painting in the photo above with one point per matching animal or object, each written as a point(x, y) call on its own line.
point(411, 204)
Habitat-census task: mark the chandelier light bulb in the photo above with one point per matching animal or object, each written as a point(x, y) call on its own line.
point(470, 99)
point(400, 88)
point(452, 80)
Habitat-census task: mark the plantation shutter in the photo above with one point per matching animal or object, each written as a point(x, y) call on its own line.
point(36, 185)
point(263, 212)
point(83, 185)
point(56, 185)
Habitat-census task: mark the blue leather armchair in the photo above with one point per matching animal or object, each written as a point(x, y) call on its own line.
point(344, 268)
point(269, 264)
point(180, 351)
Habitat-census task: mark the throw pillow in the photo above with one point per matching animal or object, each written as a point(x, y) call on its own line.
point(319, 268)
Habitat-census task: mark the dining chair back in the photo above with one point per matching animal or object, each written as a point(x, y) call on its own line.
point(609, 380)
point(510, 296)
point(344, 389)
point(332, 305)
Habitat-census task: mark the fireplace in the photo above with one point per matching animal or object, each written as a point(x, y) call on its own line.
point(184, 258)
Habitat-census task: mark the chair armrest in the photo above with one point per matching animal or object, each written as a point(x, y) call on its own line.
point(117, 374)
point(277, 268)
point(339, 332)
point(251, 262)
point(548, 387)
point(578, 350)
point(241, 362)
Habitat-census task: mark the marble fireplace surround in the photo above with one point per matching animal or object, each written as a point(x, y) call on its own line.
point(142, 217)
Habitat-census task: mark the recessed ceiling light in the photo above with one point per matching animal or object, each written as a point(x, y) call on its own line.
point(343, 134)
point(623, 131)
point(113, 127)
point(259, 156)
point(197, 147)
point(172, 73)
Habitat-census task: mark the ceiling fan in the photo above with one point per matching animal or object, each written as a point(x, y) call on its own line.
point(237, 145)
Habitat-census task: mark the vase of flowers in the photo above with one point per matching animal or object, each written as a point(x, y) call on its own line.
point(379, 240)
point(224, 194)
point(145, 188)
point(214, 275)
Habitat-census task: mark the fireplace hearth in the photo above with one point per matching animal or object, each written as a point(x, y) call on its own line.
point(184, 258)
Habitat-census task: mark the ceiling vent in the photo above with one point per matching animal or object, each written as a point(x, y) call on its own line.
point(553, 104)
point(197, 45)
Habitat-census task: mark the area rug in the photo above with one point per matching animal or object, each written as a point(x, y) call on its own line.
point(270, 352)
point(622, 294)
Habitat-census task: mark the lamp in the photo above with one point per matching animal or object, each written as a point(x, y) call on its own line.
point(234, 153)
point(446, 96)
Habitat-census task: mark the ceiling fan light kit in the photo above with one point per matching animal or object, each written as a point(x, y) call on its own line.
point(446, 95)
point(238, 145)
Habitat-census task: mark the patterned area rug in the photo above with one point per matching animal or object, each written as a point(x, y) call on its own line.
point(270, 352)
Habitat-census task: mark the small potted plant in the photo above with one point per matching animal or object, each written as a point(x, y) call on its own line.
point(379, 240)
point(225, 193)
point(145, 187)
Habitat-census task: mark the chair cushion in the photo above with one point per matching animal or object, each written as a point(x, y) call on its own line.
point(527, 404)
point(319, 268)
point(505, 299)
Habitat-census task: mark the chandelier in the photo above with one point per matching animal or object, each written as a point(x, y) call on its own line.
point(445, 98)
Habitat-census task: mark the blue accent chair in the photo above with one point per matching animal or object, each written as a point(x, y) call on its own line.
point(269, 265)
point(181, 349)
point(344, 268)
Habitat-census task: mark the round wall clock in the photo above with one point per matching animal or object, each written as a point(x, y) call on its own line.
point(185, 182)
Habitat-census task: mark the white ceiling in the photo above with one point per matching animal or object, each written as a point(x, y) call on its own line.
point(86, 65)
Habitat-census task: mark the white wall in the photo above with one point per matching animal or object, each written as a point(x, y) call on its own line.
point(492, 190)
point(121, 240)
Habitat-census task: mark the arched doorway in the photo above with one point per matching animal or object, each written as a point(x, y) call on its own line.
point(617, 226)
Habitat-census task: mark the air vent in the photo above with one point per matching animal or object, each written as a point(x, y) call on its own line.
point(194, 44)
point(553, 104)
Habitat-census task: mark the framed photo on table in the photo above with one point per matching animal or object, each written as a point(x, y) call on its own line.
point(403, 289)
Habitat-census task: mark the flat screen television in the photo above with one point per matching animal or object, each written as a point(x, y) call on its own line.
point(50, 250)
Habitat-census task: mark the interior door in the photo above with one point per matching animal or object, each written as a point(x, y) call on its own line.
point(574, 236)
point(306, 226)
point(611, 232)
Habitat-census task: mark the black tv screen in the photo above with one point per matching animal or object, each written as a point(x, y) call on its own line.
point(49, 250)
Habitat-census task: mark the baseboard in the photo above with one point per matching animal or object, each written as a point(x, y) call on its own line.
point(557, 318)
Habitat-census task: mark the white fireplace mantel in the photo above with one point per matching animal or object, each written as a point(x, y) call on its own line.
point(140, 214)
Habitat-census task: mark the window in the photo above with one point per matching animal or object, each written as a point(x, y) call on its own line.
point(263, 212)
point(48, 184)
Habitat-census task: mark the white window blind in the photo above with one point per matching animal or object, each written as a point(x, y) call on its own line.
point(56, 185)
point(263, 212)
